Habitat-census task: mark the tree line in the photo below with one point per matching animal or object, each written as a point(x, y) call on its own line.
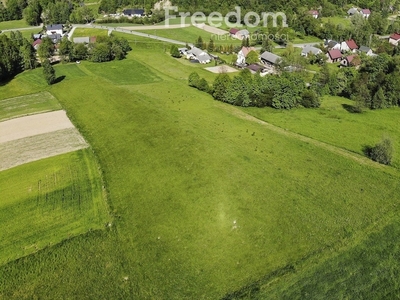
point(284, 91)
point(46, 11)
point(375, 85)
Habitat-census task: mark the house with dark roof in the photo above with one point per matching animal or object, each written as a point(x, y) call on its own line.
point(366, 50)
point(334, 55)
point(331, 44)
point(350, 61)
point(365, 13)
point(242, 54)
point(349, 45)
point(314, 13)
point(394, 39)
point(310, 49)
point(198, 55)
point(132, 12)
point(256, 68)
point(270, 59)
point(54, 29)
point(55, 37)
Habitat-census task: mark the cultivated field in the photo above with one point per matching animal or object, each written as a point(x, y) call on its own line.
point(208, 201)
point(28, 104)
point(55, 199)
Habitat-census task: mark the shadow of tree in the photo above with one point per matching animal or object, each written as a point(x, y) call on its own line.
point(59, 79)
point(352, 109)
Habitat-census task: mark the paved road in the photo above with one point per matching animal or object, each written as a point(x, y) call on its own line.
point(119, 29)
point(21, 29)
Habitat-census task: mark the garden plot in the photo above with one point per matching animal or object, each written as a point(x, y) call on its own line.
point(221, 69)
point(35, 137)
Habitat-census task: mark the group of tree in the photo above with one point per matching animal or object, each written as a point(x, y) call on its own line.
point(106, 48)
point(284, 91)
point(375, 85)
point(17, 54)
point(46, 11)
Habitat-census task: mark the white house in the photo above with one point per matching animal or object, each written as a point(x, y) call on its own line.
point(332, 45)
point(366, 50)
point(349, 45)
point(199, 55)
point(242, 54)
point(54, 29)
point(314, 13)
point(365, 13)
point(310, 49)
point(352, 11)
point(394, 39)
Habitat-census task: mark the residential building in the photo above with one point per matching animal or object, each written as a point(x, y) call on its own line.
point(334, 55)
point(310, 49)
point(242, 54)
point(54, 29)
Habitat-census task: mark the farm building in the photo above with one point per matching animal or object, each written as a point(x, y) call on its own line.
point(199, 55)
point(270, 59)
point(310, 49)
point(394, 39)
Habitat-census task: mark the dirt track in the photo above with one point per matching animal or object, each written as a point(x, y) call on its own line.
point(32, 125)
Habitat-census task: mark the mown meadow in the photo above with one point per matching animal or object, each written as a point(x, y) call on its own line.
point(207, 204)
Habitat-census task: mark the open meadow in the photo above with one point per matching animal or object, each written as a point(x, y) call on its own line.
point(207, 201)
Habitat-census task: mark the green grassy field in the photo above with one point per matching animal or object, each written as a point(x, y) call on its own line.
point(191, 34)
point(206, 201)
point(333, 124)
point(29, 104)
point(55, 199)
point(82, 32)
point(343, 21)
point(13, 24)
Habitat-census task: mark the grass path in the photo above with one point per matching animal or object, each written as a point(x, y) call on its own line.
point(337, 150)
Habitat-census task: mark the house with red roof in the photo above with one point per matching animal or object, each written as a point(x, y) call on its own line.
point(365, 13)
point(36, 44)
point(242, 54)
point(314, 13)
point(349, 45)
point(394, 39)
point(350, 61)
point(233, 31)
point(334, 55)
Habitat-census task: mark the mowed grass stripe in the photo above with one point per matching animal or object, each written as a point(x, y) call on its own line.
point(32, 148)
point(27, 104)
point(58, 198)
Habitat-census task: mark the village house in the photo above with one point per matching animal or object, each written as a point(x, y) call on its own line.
point(55, 38)
point(334, 55)
point(332, 45)
point(233, 32)
point(366, 50)
point(131, 12)
point(270, 59)
point(256, 68)
point(365, 13)
point(54, 29)
point(36, 44)
point(310, 49)
point(352, 11)
point(350, 61)
point(394, 39)
point(314, 13)
point(198, 55)
point(349, 45)
point(242, 54)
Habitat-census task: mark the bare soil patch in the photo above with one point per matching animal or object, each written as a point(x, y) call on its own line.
point(33, 125)
point(221, 69)
point(212, 29)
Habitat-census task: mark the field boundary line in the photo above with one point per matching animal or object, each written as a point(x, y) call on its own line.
point(334, 149)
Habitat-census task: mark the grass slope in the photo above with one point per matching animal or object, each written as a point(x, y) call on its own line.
point(55, 199)
point(13, 24)
point(180, 168)
point(83, 32)
point(26, 105)
point(333, 124)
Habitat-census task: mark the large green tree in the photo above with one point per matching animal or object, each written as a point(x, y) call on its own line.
point(48, 72)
